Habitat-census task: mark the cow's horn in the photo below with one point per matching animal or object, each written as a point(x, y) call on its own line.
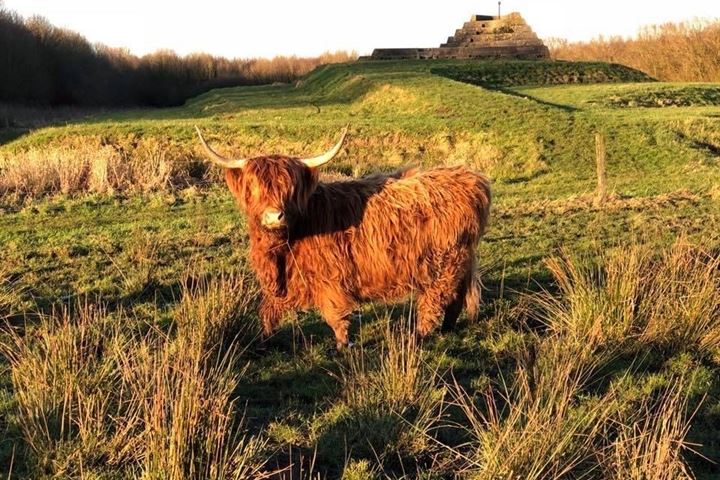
point(217, 158)
point(327, 156)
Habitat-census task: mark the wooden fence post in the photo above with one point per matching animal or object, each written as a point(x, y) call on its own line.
point(601, 194)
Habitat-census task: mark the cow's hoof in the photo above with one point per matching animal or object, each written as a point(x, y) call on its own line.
point(261, 348)
point(339, 349)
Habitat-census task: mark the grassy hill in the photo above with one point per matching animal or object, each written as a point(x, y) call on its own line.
point(149, 266)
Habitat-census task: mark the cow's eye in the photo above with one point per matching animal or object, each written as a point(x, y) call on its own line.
point(252, 191)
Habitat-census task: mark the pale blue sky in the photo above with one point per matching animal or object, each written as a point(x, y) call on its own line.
point(265, 28)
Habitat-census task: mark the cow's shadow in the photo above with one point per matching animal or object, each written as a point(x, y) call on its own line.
point(338, 206)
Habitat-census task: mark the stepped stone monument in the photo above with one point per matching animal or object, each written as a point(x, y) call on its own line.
point(484, 36)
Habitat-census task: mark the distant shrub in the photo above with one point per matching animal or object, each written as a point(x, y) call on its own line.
point(47, 65)
point(685, 52)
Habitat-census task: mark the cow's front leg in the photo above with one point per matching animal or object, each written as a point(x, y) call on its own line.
point(341, 327)
point(271, 312)
point(336, 310)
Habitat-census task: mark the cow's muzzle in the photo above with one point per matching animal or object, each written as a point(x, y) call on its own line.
point(273, 219)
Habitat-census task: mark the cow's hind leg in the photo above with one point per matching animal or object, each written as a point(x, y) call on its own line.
point(445, 297)
point(452, 311)
point(436, 305)
point(429, 311)
point(467, 296)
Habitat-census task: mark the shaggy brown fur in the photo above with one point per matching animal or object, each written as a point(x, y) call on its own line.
point(382, 237)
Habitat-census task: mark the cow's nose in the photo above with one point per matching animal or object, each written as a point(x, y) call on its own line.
point(272, 218)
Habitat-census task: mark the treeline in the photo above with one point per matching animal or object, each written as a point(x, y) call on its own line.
point(685, 51)
point(41, 64)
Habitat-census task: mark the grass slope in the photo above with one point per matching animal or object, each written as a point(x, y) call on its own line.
point(134, 252)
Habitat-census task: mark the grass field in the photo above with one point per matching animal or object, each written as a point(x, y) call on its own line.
point(132, 351)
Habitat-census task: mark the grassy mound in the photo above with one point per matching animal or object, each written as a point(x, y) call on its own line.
point(517, 73)
point(125, 278)
point(684, 96)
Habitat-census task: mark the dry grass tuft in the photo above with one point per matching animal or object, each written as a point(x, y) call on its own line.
point(9, 292)
point(221, 307)
point(683, 302)
point(91, 165)
point(650, 445)
point(391, 399)
point(547, 424)
point(90, 393)
point(187, 416)
point(395, 376)
point(534, 428)
point(64, 372)
point(671, 300)
point(596, 305)
point(538, 429)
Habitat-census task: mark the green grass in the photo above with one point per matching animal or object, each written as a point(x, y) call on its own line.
point(140, 254)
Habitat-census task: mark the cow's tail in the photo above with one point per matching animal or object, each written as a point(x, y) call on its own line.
point(473, 285)
point(473, 292)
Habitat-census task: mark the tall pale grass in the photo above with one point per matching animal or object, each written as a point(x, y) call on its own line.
point(9, 292)
point(77, 165)
point(89, 166)
point(222, 307)
point(189, 424)
point(91, 393)
point(683, 300)
point(544, 425)
point(64, 372)
point(650, 444)
point(394, 375)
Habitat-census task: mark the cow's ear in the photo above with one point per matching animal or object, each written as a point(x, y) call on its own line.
point(233, 178)
point(311, 177)
point(309, 183)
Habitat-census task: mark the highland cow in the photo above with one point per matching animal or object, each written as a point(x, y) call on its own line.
point(332, 245)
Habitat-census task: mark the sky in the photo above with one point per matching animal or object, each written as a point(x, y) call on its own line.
point(265, 28)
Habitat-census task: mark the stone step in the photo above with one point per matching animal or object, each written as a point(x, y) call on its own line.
point(481, 18)
point(478, 39)
point(519, 29)
point(508, 43)
point(493, 52)
point(495, 35)
point(503, 35)
point(496, 38)
point(484, 41)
